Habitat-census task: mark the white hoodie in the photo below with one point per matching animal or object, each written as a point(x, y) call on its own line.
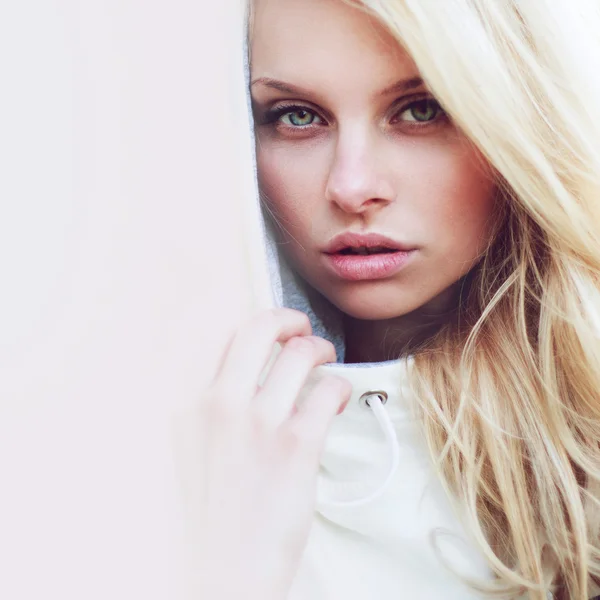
point(379, 501)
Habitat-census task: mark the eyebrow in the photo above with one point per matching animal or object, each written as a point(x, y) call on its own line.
point(400, 86)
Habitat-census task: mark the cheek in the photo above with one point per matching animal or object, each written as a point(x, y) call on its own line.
point(291, 181)
point(459, 211)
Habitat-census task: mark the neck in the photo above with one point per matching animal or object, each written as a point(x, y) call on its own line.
point(390, 339)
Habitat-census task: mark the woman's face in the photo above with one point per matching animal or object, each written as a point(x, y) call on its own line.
point(349, 140)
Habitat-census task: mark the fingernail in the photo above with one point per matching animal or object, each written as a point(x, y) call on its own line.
point(343, 407)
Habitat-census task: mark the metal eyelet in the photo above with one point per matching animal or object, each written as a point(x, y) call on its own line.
point(364, 399)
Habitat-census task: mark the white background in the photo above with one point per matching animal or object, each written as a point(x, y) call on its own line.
point(124, 170)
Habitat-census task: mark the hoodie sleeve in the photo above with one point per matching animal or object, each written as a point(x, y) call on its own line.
point(126, 160)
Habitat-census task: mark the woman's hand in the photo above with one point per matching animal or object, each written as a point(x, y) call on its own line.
point(262, 456)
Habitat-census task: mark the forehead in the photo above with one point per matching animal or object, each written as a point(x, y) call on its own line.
point(313, 42)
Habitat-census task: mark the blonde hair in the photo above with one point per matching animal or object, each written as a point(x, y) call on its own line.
point(509, 393)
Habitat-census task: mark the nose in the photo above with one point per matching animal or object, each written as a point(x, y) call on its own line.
point(357, 180)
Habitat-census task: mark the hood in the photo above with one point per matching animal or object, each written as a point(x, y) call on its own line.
point(288, 289)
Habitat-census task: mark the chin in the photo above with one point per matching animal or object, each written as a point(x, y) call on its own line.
point(373, 307)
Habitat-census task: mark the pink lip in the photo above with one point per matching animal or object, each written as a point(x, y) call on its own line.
point(354, 267)
point(365, 240)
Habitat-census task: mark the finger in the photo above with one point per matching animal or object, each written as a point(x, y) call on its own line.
point(251, 348)
point(314, 417)
point(299, 356)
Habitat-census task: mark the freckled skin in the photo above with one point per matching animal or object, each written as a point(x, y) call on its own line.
point(356, 160)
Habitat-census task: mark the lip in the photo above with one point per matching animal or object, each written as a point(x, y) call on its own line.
point(365, 240)
point(356, 267)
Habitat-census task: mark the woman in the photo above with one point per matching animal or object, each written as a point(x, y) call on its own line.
point(430, 172)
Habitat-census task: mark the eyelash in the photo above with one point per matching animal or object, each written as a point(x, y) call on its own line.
point(273, 115)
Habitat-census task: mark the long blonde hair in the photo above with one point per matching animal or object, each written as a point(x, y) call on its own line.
point(510, 393)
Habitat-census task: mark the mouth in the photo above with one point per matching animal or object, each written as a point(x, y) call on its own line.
point(364, 251)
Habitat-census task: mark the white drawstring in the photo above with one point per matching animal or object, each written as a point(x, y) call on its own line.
point(374, 401)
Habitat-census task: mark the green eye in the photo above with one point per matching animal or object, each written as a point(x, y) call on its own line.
point(299, 118)
point(422, 111)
